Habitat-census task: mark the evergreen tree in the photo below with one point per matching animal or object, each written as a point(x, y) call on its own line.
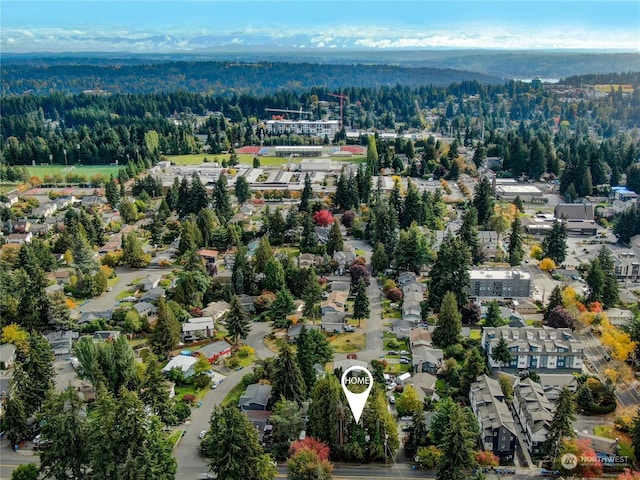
point(273, 275)
point(474, 365)
point(334, 240)
point(288, 382)
point(308, 241)
point(64, 430)
point(449, 324)
point(182, 204)
point(221, 202)
point(459, 441)
point(361, 308)
point(262, 255)
point(483, 201)
point(83, 255)
point(501, 354)
point(166, 334)
point(237, 321)
point(242, 273)
point(555, 300)
point(281, 307)
point(450, 272)
point(287, 422)
point(494, 317)
point(304, 357)
point(412, 250)
point(561, 425)
point(554, 244)
point(242, 190)
point(37, 362)
point(312, 295)
point(382, 228)
point(111, 192)
point(610, 294)
point(59, 314)
point(206, 222)
point(516, 248)
point(379, 259)
point(16, 417)
point(155, 390)
point(596, 281)
point(419, 436)
point(468, 233)
point(412, 208)
point(373, 161)
point(326, 412)
point(234, 449)
point(635, 433)
point(197, 199)
point(132, 255)
point(307, 195)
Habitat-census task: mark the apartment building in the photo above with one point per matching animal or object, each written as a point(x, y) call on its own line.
point(500, 283)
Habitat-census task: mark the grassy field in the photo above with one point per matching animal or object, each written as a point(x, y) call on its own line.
point(348, 342)
point(88, 171)
point(234, 395)
point(475, 334)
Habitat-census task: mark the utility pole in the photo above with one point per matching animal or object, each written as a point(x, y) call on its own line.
point(341, 97)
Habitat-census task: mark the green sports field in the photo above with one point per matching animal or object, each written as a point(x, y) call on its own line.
point(88, 171)
point(198, 158)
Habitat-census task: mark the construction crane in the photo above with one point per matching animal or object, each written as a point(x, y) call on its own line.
point(341, 97)
point(284, 110)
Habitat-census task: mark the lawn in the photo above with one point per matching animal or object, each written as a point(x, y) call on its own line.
point(125, 293)
point(88, 171)
point(190, 389)
point(113, 281)
point(234, 395)
point(175, 436)
point(348, 342)
point(198, 158)
point(397, 368)
point(475, 334)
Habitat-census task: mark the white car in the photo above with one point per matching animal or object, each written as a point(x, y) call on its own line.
point(392, 400)
point(392, 386)
point(202, 434)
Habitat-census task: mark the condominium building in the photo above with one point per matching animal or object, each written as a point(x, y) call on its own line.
point(509, 283)
point(536, 348)
point(318, 128)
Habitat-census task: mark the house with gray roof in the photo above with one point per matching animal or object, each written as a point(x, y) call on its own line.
point(427, 359)
point(145, 309)
point(255, 397)
point(153, 295)
point(497, 427)
point(533, 412)
point(7, 356)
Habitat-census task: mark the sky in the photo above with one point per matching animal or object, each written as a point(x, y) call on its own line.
point(157, 26)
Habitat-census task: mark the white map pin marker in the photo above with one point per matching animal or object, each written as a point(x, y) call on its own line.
point(357, 400)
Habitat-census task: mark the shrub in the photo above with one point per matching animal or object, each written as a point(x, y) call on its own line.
point(395, 294)
point(245, 351)
point(189, 398)
point(388, 285)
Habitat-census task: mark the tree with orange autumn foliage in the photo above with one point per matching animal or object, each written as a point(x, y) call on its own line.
point(309, 443)
point(629, 475)
point(485, 458)
point(547, 265)
point(588, 464)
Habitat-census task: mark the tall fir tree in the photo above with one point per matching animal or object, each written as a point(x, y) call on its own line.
point(554, 244)
point(516, 247)
point(361, 309)
point(307, 195)
point(468, 233)
point(561, 425)
point(449, 325)
point(450, 272)
point(166, 333)
point(288, 382)
point(238, 322)
point(334, 240)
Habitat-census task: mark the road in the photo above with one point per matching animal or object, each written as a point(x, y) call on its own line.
point(627, 395)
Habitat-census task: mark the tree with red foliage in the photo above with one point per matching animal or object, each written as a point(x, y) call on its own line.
point(485, 458)
point(560, 317)
point(629, 475)
point(588, 465)
point(310, 443)
point(395, 294)
point(358, 272)
point(348, 217)
point(323, 218)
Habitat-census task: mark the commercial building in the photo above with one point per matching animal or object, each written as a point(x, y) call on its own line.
point(317, 128)
point(527, 193)
point(509, 283)
point(626, 262)
point(536, 348)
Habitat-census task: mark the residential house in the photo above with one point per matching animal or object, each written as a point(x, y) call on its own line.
point(306, 260)
point(322, 234)
point(153, 295)
point(214, 351)
point(4, 394)
point(19, 238)
point(150, 282)
point(534, 412)
point(238, 218)
point(626, 262)
point(619, 317)
point(65, 201)
point(402, 328)
point(92, 201)
point(497, 427)
point(22, 226)
point(413, 287)
point(333, 322)
point(411, 308)
point(403, 379)
point(419, 337)
point(7, 355)
point(606, 449)
point(208, 255)
point(247, 302)
point(339, 286)
point(86, 317)
point(62, 341)
point(61, 277)
point(406, 277)
point(201, 327)
point(536, 348)
point(343, 259)
point(293, 332)
point(216, 310)
point(44, 211)
point(105, 335)
point(514, 319)
point(335, 302)
point(489, 244)
point(12, 198)
point(247, 209)
point(343, 365)
point(553, 383)
point(41, 229)
point(145, 309)
point(425, 385)
point(183, 362)
point(427, 359)
point(255, 397)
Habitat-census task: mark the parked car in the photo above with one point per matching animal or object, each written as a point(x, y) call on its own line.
point(392, 400)
point(404, 352)
point(216, 383)
point(202, 434)
point(349, 328)
point(392, 386)
point(392, 352)
point(405, 358)
point(405, 361)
